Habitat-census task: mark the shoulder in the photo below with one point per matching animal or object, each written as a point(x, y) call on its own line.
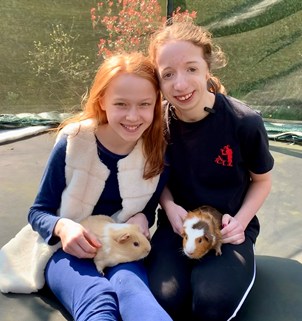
point(59, 149)
point(83, 128)
point(240, 108)
point(241, 112)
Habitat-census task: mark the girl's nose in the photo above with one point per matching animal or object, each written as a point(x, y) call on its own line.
point(180, 83)
point(132, 114)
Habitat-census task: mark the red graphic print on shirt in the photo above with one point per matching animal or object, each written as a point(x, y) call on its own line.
point(226, 156)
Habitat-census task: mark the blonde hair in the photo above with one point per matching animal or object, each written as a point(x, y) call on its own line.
point(136, 64)
point(186, 30)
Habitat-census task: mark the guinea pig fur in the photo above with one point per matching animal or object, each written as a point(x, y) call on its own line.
point(201, 232)
point(121, 242)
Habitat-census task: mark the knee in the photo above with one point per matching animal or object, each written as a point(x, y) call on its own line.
point(174, 299)
point(218, 307)
point(127, 276)
point(95, 303)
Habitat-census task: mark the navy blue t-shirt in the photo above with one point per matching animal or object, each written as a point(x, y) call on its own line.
point(210, 159)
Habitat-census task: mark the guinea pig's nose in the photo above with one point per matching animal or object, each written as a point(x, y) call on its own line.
point(188, 252)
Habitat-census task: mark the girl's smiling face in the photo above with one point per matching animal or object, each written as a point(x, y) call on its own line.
point(183, 74)
point(129, 103)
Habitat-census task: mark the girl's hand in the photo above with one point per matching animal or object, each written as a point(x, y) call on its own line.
point(176, 215)
point(76, 240)
point(140, 219)
point(232, 230)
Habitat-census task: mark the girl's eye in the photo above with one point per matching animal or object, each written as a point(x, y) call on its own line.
point(120, 104)
point(192, 69)
point(145, 104)
point(167, 75)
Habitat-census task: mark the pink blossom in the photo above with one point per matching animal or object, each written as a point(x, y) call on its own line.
point(129, 23)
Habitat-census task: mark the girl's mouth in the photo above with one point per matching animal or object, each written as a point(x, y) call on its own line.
point(184, 97)
point(131, 128)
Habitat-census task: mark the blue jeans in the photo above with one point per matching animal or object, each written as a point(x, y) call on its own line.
point(122, 294)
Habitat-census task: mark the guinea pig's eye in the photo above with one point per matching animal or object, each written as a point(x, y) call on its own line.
point(135, 244)
point(199, 239)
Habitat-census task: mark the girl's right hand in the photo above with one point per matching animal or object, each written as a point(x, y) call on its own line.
point(176, 215)
point(75, 239)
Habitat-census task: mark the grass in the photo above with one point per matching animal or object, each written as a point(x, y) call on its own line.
point(264, 51)
point(21, 26)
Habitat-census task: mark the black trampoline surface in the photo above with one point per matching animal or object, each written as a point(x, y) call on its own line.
point(277, 293)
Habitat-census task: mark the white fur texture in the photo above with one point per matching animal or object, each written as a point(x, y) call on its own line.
point(192, 234)
point(17, 274)
point(23, 259)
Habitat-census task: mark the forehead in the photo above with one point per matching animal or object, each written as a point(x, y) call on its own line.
point(177, 52)
point(130, 84)
point(127, 80)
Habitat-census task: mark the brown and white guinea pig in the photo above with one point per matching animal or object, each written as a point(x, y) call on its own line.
point(201, 232)
point(121, 242)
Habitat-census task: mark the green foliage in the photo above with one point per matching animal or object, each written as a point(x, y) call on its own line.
point(264, 51)
point(11, 97)
point(262, 55)
point(58, 63)
point(214, 11)
point(21, 25)
point(129, 24)
point(264, 63)
point(273, 13)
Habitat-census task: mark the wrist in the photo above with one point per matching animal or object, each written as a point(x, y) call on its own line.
point(58, 227)
point(169, 206)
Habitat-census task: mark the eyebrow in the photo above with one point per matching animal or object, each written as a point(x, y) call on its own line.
point(186, 63)
point(122, 98)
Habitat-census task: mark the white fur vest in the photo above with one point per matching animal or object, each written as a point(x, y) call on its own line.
point(23, 258)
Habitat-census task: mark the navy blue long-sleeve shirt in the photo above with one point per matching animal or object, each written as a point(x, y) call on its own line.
point(43, 213)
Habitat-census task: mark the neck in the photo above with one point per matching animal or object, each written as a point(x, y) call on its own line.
point(191, 117)
point(198, 112)
point(113, 143)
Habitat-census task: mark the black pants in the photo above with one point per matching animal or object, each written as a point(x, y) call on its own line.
point(212, 288)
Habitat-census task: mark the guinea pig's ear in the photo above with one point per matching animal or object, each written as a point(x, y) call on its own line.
point(208, 236)
point(123, 238)
point(199, 210)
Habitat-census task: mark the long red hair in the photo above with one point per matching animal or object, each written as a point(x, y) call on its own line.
point(137, 64)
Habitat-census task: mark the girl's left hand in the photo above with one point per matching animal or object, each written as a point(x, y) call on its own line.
point(232, 230)
point(140, 219)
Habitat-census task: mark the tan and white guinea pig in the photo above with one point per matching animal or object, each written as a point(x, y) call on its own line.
point(121, 242)
point(201, 232)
